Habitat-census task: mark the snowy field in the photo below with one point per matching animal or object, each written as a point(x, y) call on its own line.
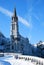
point(11, 60)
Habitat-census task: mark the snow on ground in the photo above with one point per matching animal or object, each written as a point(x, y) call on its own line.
point(10, 60)
point(4, 63)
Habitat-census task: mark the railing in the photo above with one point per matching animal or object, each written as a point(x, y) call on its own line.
point(34, 60)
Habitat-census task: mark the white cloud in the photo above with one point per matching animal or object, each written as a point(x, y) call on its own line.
point(8, 13)
point(37, 17)
point(23, 21)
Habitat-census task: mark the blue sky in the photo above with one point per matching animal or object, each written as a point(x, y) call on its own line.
point(31, 11)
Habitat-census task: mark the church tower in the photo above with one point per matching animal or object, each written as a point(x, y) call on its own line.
point(14, 32)
point(14, 26)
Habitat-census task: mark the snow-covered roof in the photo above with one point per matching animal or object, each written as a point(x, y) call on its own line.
point(42, 43)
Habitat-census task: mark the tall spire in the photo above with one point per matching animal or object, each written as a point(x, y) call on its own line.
point(15, 14)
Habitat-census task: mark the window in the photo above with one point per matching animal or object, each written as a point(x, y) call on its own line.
point(12, 47)
point(13, 26)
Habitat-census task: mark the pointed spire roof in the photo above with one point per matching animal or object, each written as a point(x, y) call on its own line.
point(15, 14)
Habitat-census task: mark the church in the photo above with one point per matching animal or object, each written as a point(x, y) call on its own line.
point(16, 43)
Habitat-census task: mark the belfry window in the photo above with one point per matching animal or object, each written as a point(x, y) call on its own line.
point(13, 26)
